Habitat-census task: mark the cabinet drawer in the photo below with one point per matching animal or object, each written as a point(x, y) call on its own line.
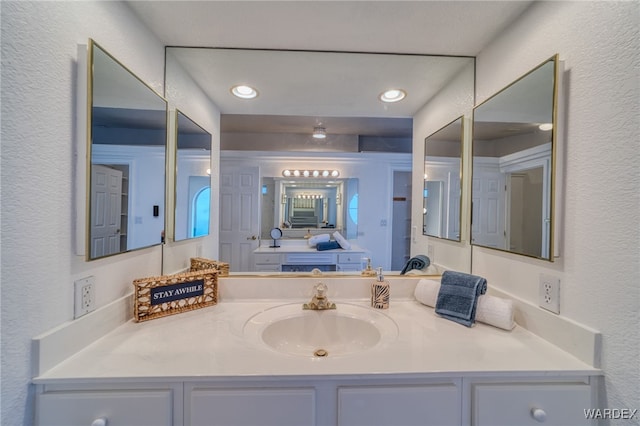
point(267, 268)
point(268, 259)
point(516, 404)
point(316, 258)
point(264, 407)
point(424, 405)
point(117, 407)
point(350, 258)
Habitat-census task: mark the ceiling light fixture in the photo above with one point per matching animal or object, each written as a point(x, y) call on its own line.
point(319, 132)
point(392, 95)
point(310, 173)
point(545, 126)
point(244, 92)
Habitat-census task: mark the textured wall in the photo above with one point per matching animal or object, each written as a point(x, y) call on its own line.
point(39, 51)
point(599, 266)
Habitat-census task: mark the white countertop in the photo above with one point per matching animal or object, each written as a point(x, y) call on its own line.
point(208, 344)
point(303, 248)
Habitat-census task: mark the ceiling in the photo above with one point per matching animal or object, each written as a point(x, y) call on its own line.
point(448, 29)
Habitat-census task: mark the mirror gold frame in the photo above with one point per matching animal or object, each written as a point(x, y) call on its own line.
point(514, 166)
point(126, 142)
point(446, 224)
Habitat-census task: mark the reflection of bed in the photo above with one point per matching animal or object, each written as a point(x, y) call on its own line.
point(303, 219)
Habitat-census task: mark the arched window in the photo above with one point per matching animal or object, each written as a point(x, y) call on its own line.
point(200, 213)
point(353, 209)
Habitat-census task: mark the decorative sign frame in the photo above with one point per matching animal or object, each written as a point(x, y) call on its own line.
point(157, 297)
point(199, 263)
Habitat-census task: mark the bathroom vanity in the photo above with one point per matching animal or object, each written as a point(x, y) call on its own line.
point(227, 365)
point(299, 257)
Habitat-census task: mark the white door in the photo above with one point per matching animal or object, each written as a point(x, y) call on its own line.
point(488, 223)
point(239, 216)
point(401, 220)
point(106, 202)
point(453, 210)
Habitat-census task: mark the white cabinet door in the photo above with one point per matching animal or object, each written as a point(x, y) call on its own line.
point(116, 407)
point(530, 404)
point(251, 407)
point(424, 405)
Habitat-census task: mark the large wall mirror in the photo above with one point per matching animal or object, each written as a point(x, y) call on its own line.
point(127, 124)
point(339, 92)
point(309, 206)
point(514, 143)
point(192, 179)
point(442, 192)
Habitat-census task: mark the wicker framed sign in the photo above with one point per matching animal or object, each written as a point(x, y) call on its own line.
point(157, 297)
point(198, 263)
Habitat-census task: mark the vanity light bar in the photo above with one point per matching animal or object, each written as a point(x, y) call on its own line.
point(309, 196)
point(310, 173)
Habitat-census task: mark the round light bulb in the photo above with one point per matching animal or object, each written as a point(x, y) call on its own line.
point(244, 92)
point(392, 95)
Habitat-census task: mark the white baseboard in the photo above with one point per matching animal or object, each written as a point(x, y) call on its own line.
point(580, 341)
point(54, 346)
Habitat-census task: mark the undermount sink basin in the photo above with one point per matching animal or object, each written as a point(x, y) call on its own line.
point(336, 332)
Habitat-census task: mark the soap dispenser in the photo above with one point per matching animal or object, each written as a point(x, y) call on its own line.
point(380, 292)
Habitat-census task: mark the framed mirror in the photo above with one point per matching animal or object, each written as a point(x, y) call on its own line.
point(340, 92)
point(192, 179)
point(310, 206)
point(442, 192)
point(514, 144)
point(127, 139)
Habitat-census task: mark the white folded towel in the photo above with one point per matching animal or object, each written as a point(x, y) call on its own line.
point(321, 238)
point(341, 240)
point(491, 310)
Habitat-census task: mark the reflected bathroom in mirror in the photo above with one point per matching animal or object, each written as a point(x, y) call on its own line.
point(514, 144)
point(127, 122)
point(192, 179)
point(369, 140)
point(309, 206)
point(442, 190)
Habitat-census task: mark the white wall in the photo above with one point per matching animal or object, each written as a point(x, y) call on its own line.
point(599, 263)
point(39, 52)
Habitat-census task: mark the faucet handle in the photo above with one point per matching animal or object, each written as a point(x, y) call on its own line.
point(320, 289)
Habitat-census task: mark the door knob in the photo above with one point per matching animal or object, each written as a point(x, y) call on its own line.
point(253, 237)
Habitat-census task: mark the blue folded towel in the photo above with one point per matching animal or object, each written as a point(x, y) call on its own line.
point(458, 296)
point(418, 262)
point(327, 245)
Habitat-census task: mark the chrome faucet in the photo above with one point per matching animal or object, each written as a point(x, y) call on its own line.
point(319, 301)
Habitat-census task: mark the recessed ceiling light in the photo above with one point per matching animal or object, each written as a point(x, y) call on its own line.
point(392, 95)
point(244, 92)
point(319, 132)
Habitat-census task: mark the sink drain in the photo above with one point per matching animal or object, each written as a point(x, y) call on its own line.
point(320, 353)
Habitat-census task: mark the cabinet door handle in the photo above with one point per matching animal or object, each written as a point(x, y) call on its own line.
point(102, 421)
point(539, 414)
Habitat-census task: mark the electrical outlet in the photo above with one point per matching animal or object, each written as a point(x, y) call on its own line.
point(549, 293)
point(85, 296)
